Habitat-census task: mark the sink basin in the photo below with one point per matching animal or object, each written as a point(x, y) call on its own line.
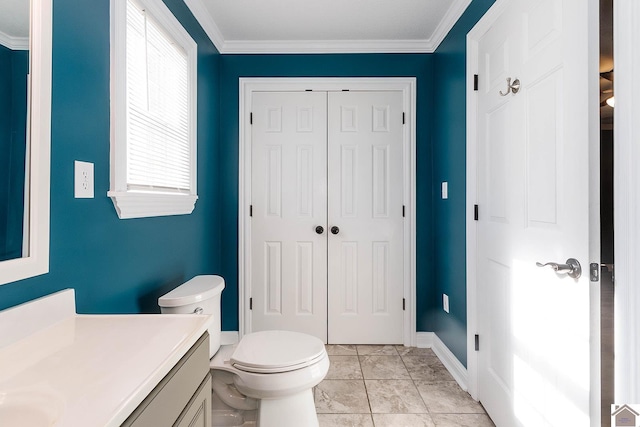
point(29, 408)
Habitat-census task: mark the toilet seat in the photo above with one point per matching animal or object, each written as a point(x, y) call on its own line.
point(260, 370)
point(268, 352)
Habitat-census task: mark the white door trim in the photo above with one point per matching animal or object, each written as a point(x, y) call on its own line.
point(408, 87)
point(627, 200)
point(472, 191)
point(473, 36)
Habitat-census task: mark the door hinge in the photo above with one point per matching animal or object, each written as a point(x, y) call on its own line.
point(250, 210)
point(475, 82)
point(250, 118)
point(251, 304)
point(477, 342)
point(404, 302)
point(403, 118)
point(402, 211)
point(475, 212)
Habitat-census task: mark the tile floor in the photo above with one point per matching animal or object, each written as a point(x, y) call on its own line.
point(392, 386)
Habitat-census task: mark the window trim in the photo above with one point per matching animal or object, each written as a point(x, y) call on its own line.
point(148, 203)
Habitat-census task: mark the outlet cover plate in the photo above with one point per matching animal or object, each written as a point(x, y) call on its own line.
point(445, 302)
point(83, 180)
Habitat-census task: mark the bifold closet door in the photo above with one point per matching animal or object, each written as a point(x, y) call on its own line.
point(289, 199)
point(365, 178)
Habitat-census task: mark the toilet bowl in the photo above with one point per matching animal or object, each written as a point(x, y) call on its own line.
point(271, 372)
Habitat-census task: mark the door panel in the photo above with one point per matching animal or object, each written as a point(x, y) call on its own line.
point(365, 157)
point(533, 193)
point(328, 159)
point(289, 199)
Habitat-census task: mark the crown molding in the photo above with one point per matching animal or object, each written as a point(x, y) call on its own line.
point(212, 30)
point(326, 46)
point(205, 19)
point(14, 43)
point(450, 18)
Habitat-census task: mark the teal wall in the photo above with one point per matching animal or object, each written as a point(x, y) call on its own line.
point(122, 266)
point(232, 67)
point(449, 160)
point(117, 266)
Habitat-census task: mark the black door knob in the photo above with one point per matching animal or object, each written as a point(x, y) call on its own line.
point(319, 229)
point(335, 230)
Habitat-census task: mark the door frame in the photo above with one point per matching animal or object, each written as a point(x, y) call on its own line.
point(626, 200)
point(473, 37)
point(407, 85)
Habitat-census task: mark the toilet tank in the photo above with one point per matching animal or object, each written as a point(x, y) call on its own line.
point(199, 295)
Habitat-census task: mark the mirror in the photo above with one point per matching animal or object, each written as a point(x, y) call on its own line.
point(14, 72)
point(25, 134)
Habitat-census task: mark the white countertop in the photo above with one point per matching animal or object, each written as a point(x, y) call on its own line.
point(91, 370)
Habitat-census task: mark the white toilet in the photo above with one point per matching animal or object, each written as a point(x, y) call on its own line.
point(271, 372)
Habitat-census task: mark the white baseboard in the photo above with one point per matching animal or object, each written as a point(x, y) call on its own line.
point(448, 359)
point(229, 337)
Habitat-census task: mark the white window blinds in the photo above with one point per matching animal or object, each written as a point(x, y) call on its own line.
point(158, 146)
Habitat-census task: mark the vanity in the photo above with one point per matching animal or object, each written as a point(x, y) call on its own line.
point(59, 368)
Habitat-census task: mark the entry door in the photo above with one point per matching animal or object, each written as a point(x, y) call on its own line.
point(337, 236)
point(533, 197)
point(365, 203)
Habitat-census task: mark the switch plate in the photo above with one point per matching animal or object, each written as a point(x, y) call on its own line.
point(445, 190)
point(445, 302)
point(83, 182)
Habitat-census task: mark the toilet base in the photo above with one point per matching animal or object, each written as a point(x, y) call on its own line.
point(291, 411)
point(223, 415)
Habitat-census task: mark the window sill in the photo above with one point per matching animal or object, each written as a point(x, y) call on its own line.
point(133, 204)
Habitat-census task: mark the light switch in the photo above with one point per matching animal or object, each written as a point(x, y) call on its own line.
point(445, 190)
point(83, 182)
point(445, 302)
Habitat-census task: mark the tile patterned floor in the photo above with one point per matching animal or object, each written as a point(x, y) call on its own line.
point(392, 386)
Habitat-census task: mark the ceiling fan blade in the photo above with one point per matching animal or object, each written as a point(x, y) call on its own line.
point(608, 75)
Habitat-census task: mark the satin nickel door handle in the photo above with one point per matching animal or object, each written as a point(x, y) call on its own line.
point(572, 267)
point(511, 87)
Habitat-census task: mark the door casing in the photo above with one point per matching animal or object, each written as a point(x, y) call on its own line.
point(408, 87)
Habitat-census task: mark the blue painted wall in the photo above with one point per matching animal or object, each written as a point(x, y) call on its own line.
point(14, 67)
point(117, 266)
point(449, 159)
point(122, 266)
point(346, 65)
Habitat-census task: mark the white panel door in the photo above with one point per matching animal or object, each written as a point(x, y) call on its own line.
point(289, 199)
point(533, 196)
point(365, 204)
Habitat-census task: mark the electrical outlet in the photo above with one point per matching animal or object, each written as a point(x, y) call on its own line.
point(83, 182)
point(445, 190)
point(445, 302)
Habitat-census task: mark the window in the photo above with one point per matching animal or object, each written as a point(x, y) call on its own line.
point(153, 111)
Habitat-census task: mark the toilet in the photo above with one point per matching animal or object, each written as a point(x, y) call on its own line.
point(267, 378)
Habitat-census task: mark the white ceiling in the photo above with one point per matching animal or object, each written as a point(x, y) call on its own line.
point(14, 24)
point(324, 26)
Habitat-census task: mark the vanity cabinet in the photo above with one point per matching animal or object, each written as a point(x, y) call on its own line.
point(183, 397)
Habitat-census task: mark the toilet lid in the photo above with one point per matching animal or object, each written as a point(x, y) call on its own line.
point(276, 351)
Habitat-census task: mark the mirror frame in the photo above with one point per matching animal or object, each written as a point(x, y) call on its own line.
point(39, 154)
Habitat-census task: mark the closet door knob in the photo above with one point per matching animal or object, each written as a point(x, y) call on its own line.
point(335, 230)
point(319, 229)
